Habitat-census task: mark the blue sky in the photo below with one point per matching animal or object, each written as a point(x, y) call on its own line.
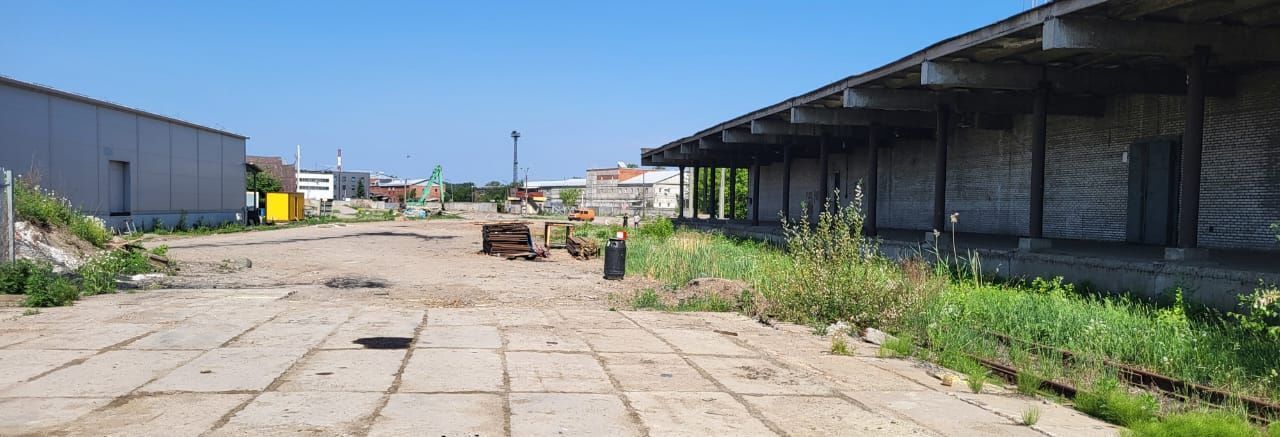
point(403, 86)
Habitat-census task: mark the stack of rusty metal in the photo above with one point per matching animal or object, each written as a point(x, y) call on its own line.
point(509, 239)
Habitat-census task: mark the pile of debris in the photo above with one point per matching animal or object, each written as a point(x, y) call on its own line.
point(509, 239)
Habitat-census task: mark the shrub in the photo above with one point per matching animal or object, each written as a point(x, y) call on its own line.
point(1261, 311)
point(1109, 401)
point(837, 275)
point(977, 378)
point(1198, 424)
point(13, 276)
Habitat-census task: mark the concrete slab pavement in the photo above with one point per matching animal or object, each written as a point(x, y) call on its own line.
point(288, 367)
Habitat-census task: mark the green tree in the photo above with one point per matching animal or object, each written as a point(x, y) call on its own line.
point(461, 191)
point(360, 190)
point(570, 196)
point(261, 182)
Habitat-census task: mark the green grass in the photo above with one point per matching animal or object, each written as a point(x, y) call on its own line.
point(1028, 382)
point(198, 229)
point(1201, 424)
point(840, 344)
point(650, 299)
point(1109, 401)
point(977, 378)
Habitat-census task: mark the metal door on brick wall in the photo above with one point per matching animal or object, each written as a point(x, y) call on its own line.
point(1152, 192)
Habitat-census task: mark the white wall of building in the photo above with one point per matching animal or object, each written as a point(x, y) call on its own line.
point(315, 185)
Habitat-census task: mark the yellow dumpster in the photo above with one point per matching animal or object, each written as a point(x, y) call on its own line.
point(284, 207)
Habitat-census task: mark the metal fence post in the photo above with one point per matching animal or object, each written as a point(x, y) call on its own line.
point(8, 230)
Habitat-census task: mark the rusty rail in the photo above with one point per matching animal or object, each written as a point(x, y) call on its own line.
point(1259, 409)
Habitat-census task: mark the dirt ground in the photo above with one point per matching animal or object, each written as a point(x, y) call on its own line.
point(414, 263)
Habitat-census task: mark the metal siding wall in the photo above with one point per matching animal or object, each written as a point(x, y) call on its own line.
point(210, 171)
point(117, 141)
point(232, 173)
point(153, 181)
point(24, 130)
point(74, 148)
point(185, 169)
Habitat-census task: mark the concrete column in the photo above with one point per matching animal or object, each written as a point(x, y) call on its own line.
point(712, 205)
point(680, 197)
point(693, 196)
point(824, 161)
point(942, 133)
point(786, 179)
point(720, 183)
point(1039, 134)
point(1192, 148)
point(755, 191)
point(873, 179)
point(733, 193)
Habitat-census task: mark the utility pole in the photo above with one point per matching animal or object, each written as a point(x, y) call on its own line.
point(515, 157)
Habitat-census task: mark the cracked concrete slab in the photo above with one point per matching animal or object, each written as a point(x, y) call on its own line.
point(311, 413)
point(229, 369)
point(703, 342)
point(570, 414)
point(42, 415)
point(460, 337)
point(556, 372)
point(158, 416)
point(474, 414)
point(624, 340)
point(110, 374)
point(695, 414)
point(20, 365)
point(811, 416)
point(543, 339)
point(654, 372)
point(759, 376)
point(453, 370)
point(345, 370)
point(942, 412)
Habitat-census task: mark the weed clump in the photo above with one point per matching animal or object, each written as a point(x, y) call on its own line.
point(36, 280)
point(1109, 401)
point(1030, 416)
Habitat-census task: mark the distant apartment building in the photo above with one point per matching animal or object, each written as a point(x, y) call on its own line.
point(287, 174)
point(619, 191)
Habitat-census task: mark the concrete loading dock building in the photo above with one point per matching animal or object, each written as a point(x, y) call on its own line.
point(118, 163)
point(1134, 144)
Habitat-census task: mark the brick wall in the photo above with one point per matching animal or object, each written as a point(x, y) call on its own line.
point(1086, 180)
point(275, 166)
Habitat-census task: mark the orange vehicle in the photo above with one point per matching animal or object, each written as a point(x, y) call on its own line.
point(582, 214)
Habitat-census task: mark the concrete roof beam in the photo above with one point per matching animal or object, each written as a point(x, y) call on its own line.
point(771, 126)
point(996, 103)
point(860, 117)
point(1097, 81)
point(1175, 40)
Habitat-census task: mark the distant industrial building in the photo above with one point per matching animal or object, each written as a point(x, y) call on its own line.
point(119, 163)
point(552, 189)
point(632, 191)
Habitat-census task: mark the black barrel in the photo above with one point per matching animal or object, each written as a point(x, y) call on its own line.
point(615, 259)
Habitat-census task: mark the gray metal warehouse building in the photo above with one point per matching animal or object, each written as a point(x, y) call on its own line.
point(120, 163)
point(1134, 144)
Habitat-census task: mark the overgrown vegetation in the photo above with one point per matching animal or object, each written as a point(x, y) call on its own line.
point(45, 209)
point(43, 287)
point(1201, 424)
point(1030, 416)
point(828, 273)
